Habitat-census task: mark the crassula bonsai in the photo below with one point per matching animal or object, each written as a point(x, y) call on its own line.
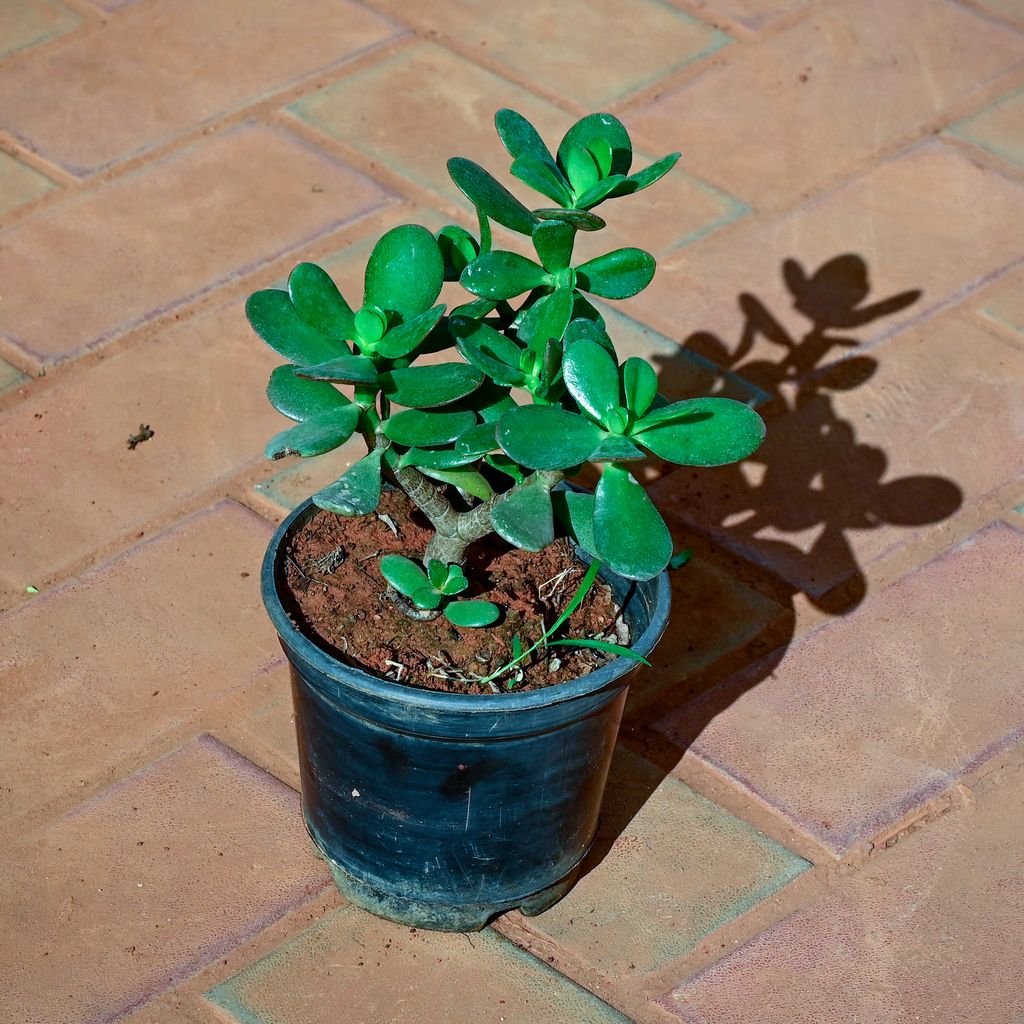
point(480, 444)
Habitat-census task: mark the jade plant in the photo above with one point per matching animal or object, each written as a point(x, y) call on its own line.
point(481, 444)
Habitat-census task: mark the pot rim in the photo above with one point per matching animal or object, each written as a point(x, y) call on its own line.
point(293, 636)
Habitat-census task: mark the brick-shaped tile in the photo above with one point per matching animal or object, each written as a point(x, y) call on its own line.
point(858, 724)
point(115, 80)
point(386, 972)
point(929, 931)
point(864, 466)
point(816, 102)
point(94, 670)
point(175, 229)
point(667, 869)
point(147, 883)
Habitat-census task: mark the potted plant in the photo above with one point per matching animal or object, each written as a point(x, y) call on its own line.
point(440, 809)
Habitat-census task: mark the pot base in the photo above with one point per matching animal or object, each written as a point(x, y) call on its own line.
point(437, 917)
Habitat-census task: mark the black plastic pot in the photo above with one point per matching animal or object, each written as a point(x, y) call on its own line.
point(441, 810)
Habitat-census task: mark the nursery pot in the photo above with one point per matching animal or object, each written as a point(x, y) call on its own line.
point(440, 810)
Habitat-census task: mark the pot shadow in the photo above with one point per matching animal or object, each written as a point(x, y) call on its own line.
point(811, 478)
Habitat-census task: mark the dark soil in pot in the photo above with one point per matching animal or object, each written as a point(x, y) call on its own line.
point(332, 566)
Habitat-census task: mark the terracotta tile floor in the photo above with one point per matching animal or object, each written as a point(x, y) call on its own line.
point(815, 812)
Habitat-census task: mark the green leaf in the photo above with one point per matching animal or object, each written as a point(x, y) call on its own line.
point(630, 535)
point(489, 196)
point(588, 130)
point(488, 350)
point(478, 440)
point(455, 581)
point(542, 177)
point(678, 560)
point(639, 385)
point(601, 150)
point(458, 249)
point(344, 369)
point(600, 191)
point(553, 241)
point(316, 435)
point(547, 437)
point(405, 338)
point(300, 399)
point(615, 448)
point(370, 322)
point(427, 597)
point(490, 402)
point(436, 458)
point(617, 274)
point(701, 432)
point(524, 518)
point(600, 645)
point(423, 429)
point(579, 219)
point(519, 137)
point(317, 300)
point(581, 169)
point(357, 491)
point(405, 271)
point(277, 322)
point(403, 574)
point(649, 175)
point(424, 387)
point(575, 510)
point(592, 378)
point(547, 318)
point(468, 480)
point(503, 275)
point(437, 573)
point(471, 614)
point(580, 328)
point(503, 464)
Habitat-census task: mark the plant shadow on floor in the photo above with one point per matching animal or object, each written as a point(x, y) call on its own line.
point(812, 477)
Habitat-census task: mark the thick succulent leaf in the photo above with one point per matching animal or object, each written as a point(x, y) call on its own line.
point(357, 491)
point(488, 350)
point(468, 480)
point(648, 176)
point(437, 573)
point(405, 271)
point(543, 178)
point(458, 249)
point(581, 220)
point(592, 378)
point(490, 196)
point(702, 432)
point(631, 537)
point(490, 402)
point(424, 429)
point(553, 241)
point(403, 574)
point(503, 464)
point(601, 150)
point(503, 275)
point(519, 137)
point(317, 300)
point(300, 399)
point(576, 513)
point(471, 614)
point(345, 369)
point(547, 318)
point(601, 190)
point(639, 385)
point(584, 309)
point(524, 518)
point(478, 440)
point(617, 274)
point(424, 387)
point(277, 322)
point(436, 458)
point(593, 330)
point(406, 338)
point(547, 437)
point(616, 448)
point(475, 310)
point(455, 581)
point(427, 597)
point(587, 130)
point(370, 322)
point(581, 169)
point(321, 433)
